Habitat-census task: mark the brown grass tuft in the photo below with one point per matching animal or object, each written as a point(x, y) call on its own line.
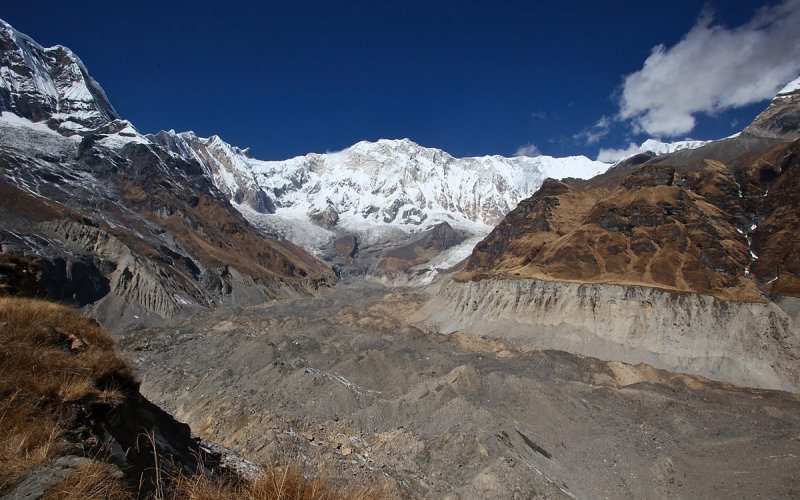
point(51, 361)
point(275, 483)
point(30, 436)
point(96, 480)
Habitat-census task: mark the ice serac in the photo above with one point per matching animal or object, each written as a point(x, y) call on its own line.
point(686, 260)
point(118, 223)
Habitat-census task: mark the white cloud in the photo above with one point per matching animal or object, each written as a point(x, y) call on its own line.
point(611, 155)
point(528, 149)
point(713, 68)
point(594, 133)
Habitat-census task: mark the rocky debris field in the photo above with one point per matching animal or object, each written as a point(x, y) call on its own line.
point(346, 385)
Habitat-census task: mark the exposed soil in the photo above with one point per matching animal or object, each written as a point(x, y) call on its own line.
point(347, 386)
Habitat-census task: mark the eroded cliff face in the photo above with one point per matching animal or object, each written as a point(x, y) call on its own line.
point(689, 261)
point(745, 343)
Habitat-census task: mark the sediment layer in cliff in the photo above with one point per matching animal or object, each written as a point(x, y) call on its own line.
point(746, 343)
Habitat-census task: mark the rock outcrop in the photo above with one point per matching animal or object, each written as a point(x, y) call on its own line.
point(424, 247)
point(781, 120)
point(69, 400)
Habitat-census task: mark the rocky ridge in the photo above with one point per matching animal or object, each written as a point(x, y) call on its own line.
point(49, 84)
point(709, 225)
point(115, 222)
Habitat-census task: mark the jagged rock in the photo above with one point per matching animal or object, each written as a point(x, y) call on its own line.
point(347, 246)
point(326, 218)
point(49, 83)
point(781, 120)
point(551, 187)
point(421, 249)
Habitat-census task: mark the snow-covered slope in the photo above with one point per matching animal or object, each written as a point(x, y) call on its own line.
point(660, 148)
point(383, 193)
point(49, 84)
point(388, 182)
point(790, 87)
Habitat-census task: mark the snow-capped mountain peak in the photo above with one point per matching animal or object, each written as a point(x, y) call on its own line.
point(49, 84)
point(790, 87)
point(386, 182)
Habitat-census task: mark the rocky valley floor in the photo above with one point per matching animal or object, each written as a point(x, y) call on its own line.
point(345, 385)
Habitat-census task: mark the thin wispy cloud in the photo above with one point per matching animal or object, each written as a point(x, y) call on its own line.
point(528, 149)
point(594, 133)
point(713, 68)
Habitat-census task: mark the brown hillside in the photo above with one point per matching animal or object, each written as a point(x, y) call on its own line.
point(686, 226)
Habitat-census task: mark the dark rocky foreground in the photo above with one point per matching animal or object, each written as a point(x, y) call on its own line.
point(345, 384)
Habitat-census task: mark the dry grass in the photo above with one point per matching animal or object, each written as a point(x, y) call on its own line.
point(95, 480)
point(275, 483)
point(30, 436)
point(51, 361)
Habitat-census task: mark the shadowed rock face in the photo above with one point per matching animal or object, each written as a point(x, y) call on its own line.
point(217, 160)
point(424, 247)
point(781, 120)
point(347, 246)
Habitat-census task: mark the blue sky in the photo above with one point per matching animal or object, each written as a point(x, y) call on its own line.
point(472, 78)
